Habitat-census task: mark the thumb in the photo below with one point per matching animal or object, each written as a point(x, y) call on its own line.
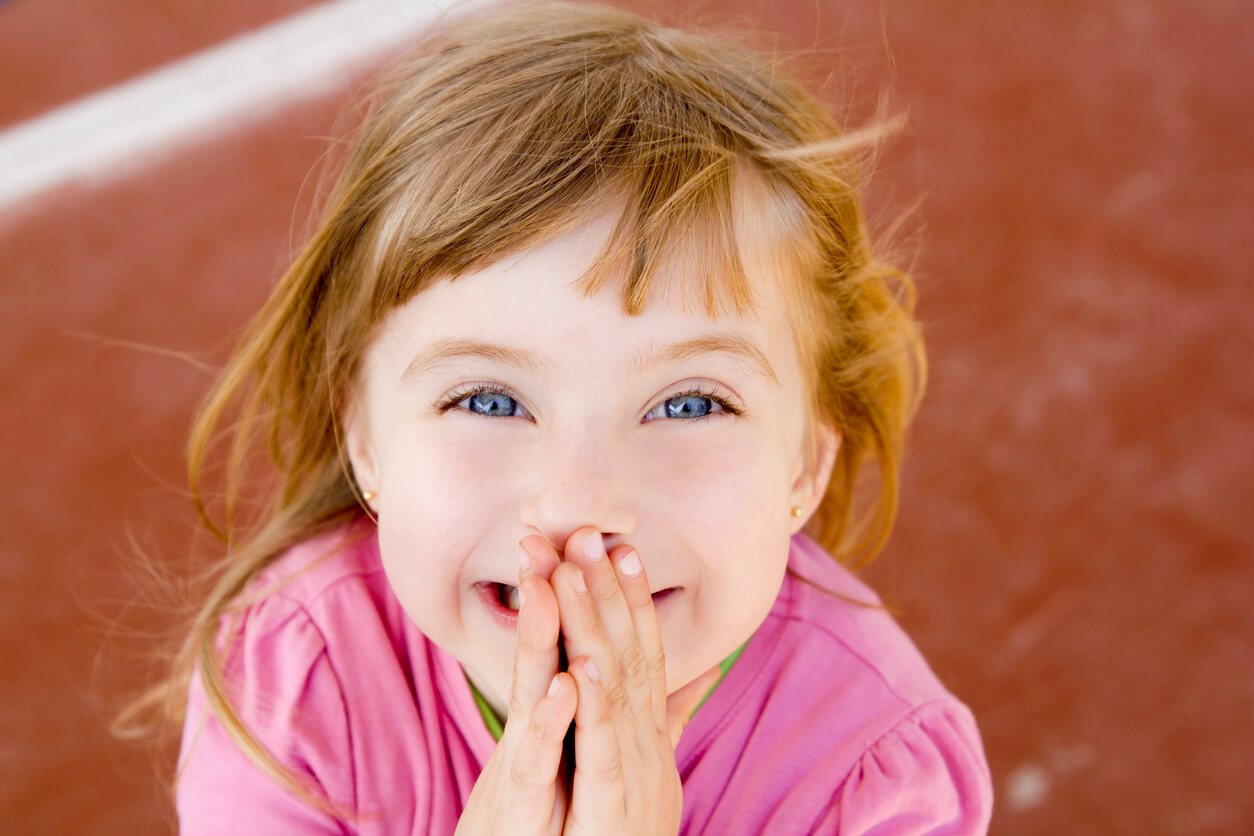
point(681, 704)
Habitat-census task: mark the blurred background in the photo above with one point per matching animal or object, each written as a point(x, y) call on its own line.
point(1074, 554)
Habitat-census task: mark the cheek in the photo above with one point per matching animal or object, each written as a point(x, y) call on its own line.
point(438, 502)
point(726, 481)
point(727, 503)
point(448, 483)
point(725, 512)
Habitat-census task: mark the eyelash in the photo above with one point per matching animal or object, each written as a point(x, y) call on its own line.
point(469, 390)
point(708, 393)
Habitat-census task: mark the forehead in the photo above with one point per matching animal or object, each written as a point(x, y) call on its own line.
point(536, 304)
point(690, 278)
point(726, 254)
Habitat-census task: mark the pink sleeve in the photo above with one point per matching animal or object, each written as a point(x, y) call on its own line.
point(926, 776)
point(288, 696)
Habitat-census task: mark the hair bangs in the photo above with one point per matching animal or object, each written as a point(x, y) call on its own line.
point(470, 191)
point(677, 235)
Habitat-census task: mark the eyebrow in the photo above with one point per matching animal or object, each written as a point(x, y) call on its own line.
point(749, 354)
point(445, 352)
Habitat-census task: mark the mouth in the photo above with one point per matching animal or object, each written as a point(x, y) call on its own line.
point(503, 600)
point(508, 596)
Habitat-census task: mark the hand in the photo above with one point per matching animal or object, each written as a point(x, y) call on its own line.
point(522, 789)
point(626, 725)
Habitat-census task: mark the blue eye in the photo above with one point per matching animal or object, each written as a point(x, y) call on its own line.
point(487, 399)
point(690, 405)
point(491, 404)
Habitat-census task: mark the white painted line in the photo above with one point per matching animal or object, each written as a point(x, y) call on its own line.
point(118, 131)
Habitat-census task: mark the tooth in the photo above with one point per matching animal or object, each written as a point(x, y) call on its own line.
point(509, 597)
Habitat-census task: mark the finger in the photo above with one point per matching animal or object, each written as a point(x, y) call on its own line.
point(583, 635)
point(681, 704)
point(587, 550)
point(531, 790)
point(536, 657)
point(598, 789)
point(557, 821)
point(543, 555)
point(635, 586)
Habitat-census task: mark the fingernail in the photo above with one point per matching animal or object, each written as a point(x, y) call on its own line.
point(590, 668)
point(630, 565)
point(577, 581)
point(553, 686)
point(524, 558)
point(522, 597)
point(593, 548)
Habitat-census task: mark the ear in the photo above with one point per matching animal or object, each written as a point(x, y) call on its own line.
point(810, 485)
point(358, 447)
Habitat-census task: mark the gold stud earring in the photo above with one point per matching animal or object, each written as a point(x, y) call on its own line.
point(368, 496)
point(796, 511)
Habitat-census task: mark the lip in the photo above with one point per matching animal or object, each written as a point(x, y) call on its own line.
point(663, 594)
point(488, 594)
point(487, 591)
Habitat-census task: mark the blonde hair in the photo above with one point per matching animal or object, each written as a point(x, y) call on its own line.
point(500, 132)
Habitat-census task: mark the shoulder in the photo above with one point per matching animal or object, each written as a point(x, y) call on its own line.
point(324, 671)
point(842, 718)
point(832, 646)
point(926, 775)
point(341, 562)
point(322, 628)
point(825, 610)
point(325, 595)
point(284, 692)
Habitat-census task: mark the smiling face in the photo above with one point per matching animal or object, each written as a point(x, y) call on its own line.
point(507, 403)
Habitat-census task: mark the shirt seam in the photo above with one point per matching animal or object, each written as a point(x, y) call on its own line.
point(894, 728)
point(325, 652)
point(866, 663)
point(303, 603)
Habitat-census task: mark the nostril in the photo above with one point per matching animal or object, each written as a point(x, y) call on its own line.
point(559, 538)
point(612, 541)
point(558, 505)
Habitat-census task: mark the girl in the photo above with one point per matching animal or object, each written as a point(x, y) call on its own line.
point(589, 333)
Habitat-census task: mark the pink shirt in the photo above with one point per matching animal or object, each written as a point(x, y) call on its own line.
point(830, 721)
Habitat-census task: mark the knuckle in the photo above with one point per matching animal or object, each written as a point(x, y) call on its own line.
point(540, 734)
point(655, 665)
point(516, 707)
point(609, 770)
point(522, 774)
point(633, 666)
point(617, 699)
point(595, 630)
point(605, 588)
point(524, 769)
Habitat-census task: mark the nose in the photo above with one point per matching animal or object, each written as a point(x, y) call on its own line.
point(581, 478)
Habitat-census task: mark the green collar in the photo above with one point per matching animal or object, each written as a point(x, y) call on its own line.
point(496, 729)
point(489, 716)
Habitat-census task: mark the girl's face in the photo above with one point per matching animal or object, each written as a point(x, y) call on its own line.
point(507, 403)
